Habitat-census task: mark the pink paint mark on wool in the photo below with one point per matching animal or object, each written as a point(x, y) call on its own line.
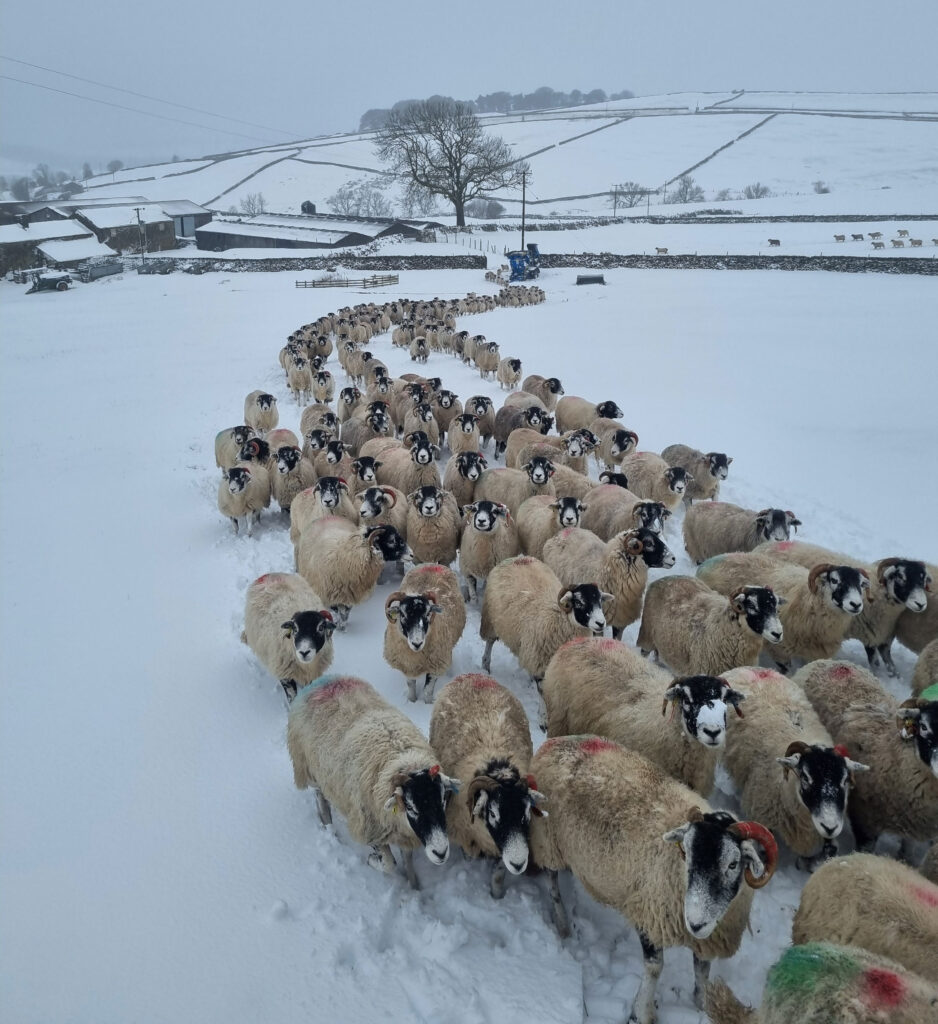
point(784, 545)
point(764, 673)
point(596, 745)
point(883, 989)
point(478, 681)
point(608, 644)
point(926, 896)
point(344, 684)
point(841, 672)
point(263, 579)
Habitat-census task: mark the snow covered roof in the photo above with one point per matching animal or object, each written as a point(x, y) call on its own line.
point(10, 234)
point(180, 207)
point(121, 216)
point(318, 223)
point(75, 249)
point(292, 231)
point(81, 200)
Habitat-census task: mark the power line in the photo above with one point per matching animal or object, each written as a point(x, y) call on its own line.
point(135, 110)
point(142, 95)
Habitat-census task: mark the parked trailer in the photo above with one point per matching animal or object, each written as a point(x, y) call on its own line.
point(49, 283)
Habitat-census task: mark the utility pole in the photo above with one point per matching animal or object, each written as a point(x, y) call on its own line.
point(615, 200)
point(142, 232)
point(524, 181)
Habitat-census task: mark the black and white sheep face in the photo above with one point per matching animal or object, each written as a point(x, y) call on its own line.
point(424, 412)
point(366, 469)
point(310, 631)
point(907, 583)
point(703, 701)
point(623, 442)
point(823, 777)
point(334, 452)
point(387, 542)
point(479, 405)
point(533, 417)
point(776, 524)
point(678, 479)
point(241, 435)
point(554, 386)
point(349, 396)
point(469, 465)
point(585, 605)
point(379, 422)
point(715, 861)
point(374, 501)
point(317, 362)
point(760, 606)
point(569, 511)
point(445, 399)
point(318, 439)
point(655, 553)
point(428, 501)
point(539, 469)
point(505, 809)
point(422, 452)
point(607, 476)
point(329, 489)
point(919, 723)
point(844, 586)
point(288, 458)
point(466, 421)
point(414, 615)
point(719, 465)
point(424, 799)
point(266, 401)
point(238, 479)
point(484, 515)
point(608, 411)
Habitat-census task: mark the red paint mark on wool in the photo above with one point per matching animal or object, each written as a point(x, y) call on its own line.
point(335, 689)
point(595, 745)
point(882, 988)
point(524, 560)
point(480, 682)
point(764, 673)
point(841, 672)
point(608, 644)
point(262, 579)
point(927, 896)
point(784, 545)
point(432, 568)
point(576, 641)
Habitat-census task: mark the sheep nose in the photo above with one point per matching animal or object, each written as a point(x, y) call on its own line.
point(853, 606)
point(518, 865)
point(828, 830)
point(714, 734)
point(697, 928)
point(776, 635)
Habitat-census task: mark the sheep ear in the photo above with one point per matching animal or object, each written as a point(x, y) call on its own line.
point(855, 766)
point(739, 603)
point(633, 544)
point(392, 610)
point(779, 601)
point(605, 597)
point(582, 508)
point(676, 835)
point(470, 509)
point(565, 600)
point(288, 627)
point(789, 764)
point(478, 804)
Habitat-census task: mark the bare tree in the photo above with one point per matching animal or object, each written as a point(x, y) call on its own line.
point(685, 191)
point(253, 203)
point(362, 197)
point(820, 187)
point(756, 191)
point(485, 209)
point(440, 149)
point(19, 187)
point(626, 194)
point(114, 166)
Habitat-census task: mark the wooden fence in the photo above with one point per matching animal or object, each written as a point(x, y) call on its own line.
point(376, 281)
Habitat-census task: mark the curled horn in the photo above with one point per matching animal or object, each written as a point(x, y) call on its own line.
point(694, 815)
point(760, 834)
point(763, 514)
point(883, 565)
point(485, 782)
point(391, 495)
point(396, 799)
point(907, 716)
point(795, 747)
point(396, 596)
point(815, 572)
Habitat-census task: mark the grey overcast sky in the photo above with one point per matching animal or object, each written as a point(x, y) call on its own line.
point(312, 68)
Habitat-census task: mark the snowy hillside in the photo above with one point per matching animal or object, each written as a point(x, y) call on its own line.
point(856, 144)
point(157, 863)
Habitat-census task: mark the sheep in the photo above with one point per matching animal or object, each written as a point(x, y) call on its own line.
point(718, 527)
point(323, 386)
point(487, 360)
point(349, 400)
point(376, 422)
point(574, 412)
point(374, 764)
point(899, 794)
point(364, 470)
point(426, 618)
point(260, 412)
point(510, 418)
point(707, 470)
point(523, 400)
point(293, 474)
point(419, 351)
point(875, 903)
point(803, 803)
point(433, 524)
point(778, 241)
point(276, 439)
point(572, 449)
point(612, 509)
point(926, 669)
point(512, 486)
point(547, 389)
point(242, 492)
point(522, 437)
point(383, 505)
point(420, 417)
point(620, 566)
point(660, 251)
point(821, 983)
point(412, 467)
point(489, 537)
point(508, 373)
point(651, 477)
point(463, 433)
point(612, 815)
point(856, 237)
point(896, 584)
point(342, 562)
point(526, 608)
point(481, 734)
point(602, 686)
point(228, 444)
point(542, 517)
point(693, 629)
point(288, 629)
point(902, 233)
point(840, 238)
point(481, 406)
point(879, 245)
point(300, 380)
point(875, 234)
point(615, 441)
point(917, 630)
point(315, 416)
point(897, 243)
point(334, 460)
point(820, 602)
point(446, 405)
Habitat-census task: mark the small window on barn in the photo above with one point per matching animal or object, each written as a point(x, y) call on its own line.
point(163, 226)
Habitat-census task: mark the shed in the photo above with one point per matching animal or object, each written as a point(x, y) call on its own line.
point(68, 254)
point(272, 233)
point(119, 226)
point(19, 242)
point(187, 216)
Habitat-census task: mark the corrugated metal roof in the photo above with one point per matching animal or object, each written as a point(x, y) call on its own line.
point(292, 231)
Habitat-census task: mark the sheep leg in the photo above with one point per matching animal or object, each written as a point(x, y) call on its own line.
point(701, 977)
point(784, 668)
point(289, 689)
point(412, 690)
point(643, 1006)
point(408, 858)
point(429, 684)
point(497, 881)
point(616, 632)
point(866, 841)
point(235, 521)
point(885, 653)
point(322, 805)
point(381, 859)
point(487, 655)
point(809, 864)
point(561, 921)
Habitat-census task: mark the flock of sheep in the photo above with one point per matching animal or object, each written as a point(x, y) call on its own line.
point(618, 792)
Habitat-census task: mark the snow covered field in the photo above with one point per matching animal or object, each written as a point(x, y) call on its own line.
point(157, 863)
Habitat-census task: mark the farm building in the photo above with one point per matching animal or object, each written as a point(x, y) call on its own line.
point(66, 255)
point(120, 228)
point(18, 242)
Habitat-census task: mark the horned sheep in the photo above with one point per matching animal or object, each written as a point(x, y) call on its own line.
point(481, 406)
point(717, 527)
point(426, 618)
point(411, 467)
point(228, 444)
point(489, 537)
point(329, 496)
point(612, 815)
point(542, 517)
point(651, 477)
point(693, 629)
point(706, 470)
point(876, 903)
point(293, 474)
point(510, 418)
point(526, 608)
point(463, 433)
point(613, 509)
point(899, 794)
point(481, 734)
point(547, 389)
point(915, 631)
point(615, 441)
point(287, 627)
point(370, 761)
point(513, 486)
point(602, 686)
point(461, 474)
point(383, 504)
point(508, 373)
point(434, 525)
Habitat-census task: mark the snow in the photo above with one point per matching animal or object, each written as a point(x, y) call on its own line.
point(79, 249)
point(881, 102)
point(157, 862)
point(40, 229)
point(122, 216)
point(297, 232)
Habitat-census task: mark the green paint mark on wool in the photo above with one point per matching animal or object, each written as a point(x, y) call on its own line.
point(805, 968)
point(930, 693)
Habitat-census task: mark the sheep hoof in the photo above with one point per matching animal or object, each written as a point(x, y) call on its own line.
point(497, 881)
point(428, 687)
point(412, 690)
